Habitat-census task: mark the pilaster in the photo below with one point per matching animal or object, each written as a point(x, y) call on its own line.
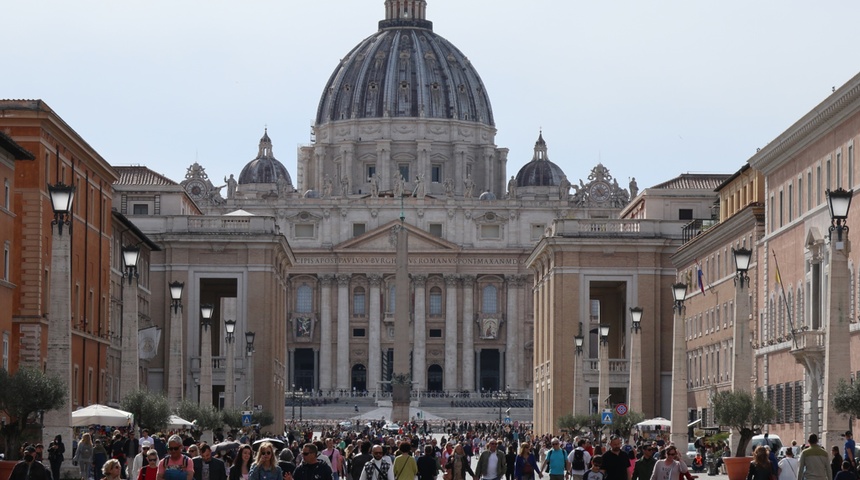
point(343, 366)
point(325, 379)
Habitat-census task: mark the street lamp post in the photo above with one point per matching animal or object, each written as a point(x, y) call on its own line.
point(742, 350)
point(603, 361)
point(59, 364)
point(206, 312)
point(249, 369)
point(635, 389)
point(176, 373)
point(580, 391)
point(502, 395)
point(129, 380)
point(837, 357)
point(293, 403)
point(229, 327)
point(679, 368)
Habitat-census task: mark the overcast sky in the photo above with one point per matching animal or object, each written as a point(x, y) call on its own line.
point(651, 89)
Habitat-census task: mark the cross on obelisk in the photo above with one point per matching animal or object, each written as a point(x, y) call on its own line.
point(401, 381)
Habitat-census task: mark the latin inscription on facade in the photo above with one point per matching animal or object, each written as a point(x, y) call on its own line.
point(412, 261)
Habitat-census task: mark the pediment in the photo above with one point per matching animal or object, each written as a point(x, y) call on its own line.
point(380, 239)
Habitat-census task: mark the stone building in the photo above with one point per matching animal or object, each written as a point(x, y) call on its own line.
point(10, 154)
point(588, 273)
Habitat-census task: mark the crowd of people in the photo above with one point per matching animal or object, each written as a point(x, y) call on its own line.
point(483, 451)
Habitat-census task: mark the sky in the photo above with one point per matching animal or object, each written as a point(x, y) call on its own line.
point(651, 89)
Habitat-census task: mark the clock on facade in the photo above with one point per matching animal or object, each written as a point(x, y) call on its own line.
point(599, 192)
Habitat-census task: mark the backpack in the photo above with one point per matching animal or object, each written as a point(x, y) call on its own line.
point(578, 462)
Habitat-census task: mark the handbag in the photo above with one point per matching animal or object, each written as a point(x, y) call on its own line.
point(528, 469)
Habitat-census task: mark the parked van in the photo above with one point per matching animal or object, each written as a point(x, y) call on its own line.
point(773, 441)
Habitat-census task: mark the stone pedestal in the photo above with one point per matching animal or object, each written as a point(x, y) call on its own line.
point(400, 402)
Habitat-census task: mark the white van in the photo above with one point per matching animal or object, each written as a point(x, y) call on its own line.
point(773, 441)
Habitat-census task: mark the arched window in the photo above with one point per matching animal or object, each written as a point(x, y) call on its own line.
point(304, 299)
point(490, 299)
point(358, 302)
point(435, 301)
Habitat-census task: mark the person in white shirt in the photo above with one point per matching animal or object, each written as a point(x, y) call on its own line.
point(577, 473)
point(788, 466)
point(139, 459)
point(378, 468)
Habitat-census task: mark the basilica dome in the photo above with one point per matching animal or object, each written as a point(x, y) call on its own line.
point(405, 70)
point(265, 168)
point(540, 172)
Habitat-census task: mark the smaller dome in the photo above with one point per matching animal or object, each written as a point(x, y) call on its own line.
point(311, 194)
point(265, 168)
point(540, 172)
point(486, 196)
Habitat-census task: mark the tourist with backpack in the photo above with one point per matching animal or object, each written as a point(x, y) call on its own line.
point(556, 461)
point(579, 459)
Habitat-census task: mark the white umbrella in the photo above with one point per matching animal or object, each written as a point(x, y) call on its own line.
point(654, 423)
point(177, 422)
point(101, 415)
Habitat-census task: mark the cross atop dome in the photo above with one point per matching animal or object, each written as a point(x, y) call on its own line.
point(406, 13)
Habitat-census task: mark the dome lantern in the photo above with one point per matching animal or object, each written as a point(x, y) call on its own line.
point(405, 13)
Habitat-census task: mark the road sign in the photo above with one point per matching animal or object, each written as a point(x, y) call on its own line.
point(508, 420)
point(246, 419)
point(621, 409)
point(606, 418)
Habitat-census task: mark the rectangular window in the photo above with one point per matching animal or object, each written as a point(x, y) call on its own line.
point(140, 209)
point(6, 259)
point(491, 231)
point(800, 196)
point(7, 197)
point(435, 333)
point(808, 191)
point(359, 302)
point(358, 332)
point(304, 299)
point(435, 229)
point(404, 171)
point(358, 229)
point(304, 230)
point(838, 169)
point(828, 174)
point(850, 166)
point(781, 209)
point(370, 171)
point(436, 173)
point(685, 214)
point(435, 301)
point(790, 203)
point(5, 351)
point(818, 191)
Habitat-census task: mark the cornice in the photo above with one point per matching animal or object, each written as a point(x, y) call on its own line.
point(836, 107)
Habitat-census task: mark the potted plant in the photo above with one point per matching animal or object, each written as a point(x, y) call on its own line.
point(745, 414)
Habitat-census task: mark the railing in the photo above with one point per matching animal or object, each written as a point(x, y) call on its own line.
point(615, 228)
point(615, 365)
point(209, 224)
point(219, 363)
point(697, 227)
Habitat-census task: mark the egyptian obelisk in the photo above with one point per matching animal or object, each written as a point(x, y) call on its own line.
point(401, 380)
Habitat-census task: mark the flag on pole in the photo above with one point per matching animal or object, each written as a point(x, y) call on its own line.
point(778, 279)
point(700, 274)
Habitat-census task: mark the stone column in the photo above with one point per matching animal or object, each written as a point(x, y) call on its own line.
point(679, 380)
point(513, 346)
point(468, 333)
point(129, 372)
point(374, 352)
point(58, 422)
point(602, 374)
point(634, 393)
point(837, 337)
point(176, 372)
point(419, 352)
point(228, 312)
point(343, 331)
point(742, 350)
point(206, 364)
point(450, 380)
point(580, 389)
point(325, 379)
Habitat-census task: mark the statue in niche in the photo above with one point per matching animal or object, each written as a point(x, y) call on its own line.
point(344, 186)
point(327, 187)
point(469, 185)
point(449, 187)
point(398, 187)
point(419, 191)
point(374, 186)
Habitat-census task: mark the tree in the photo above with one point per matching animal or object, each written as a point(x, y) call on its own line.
point(232, 418)
point(263, 418)
point(624, 424)
point(205, 417)
point(150, 410)
point(22, 396)
point(744, 412)
point(581, 424)
point(847, 398)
